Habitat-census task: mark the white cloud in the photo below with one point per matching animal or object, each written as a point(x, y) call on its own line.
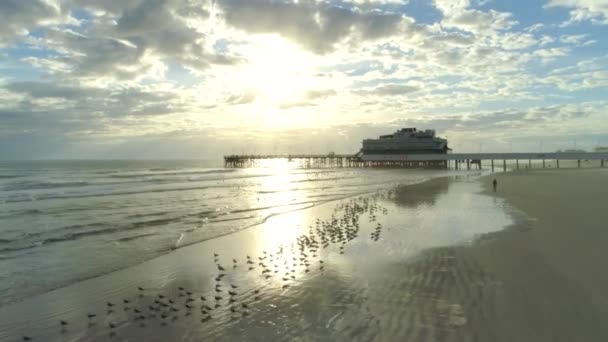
point(583, 10)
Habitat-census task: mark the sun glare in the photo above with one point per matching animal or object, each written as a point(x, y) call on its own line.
point(279, 71)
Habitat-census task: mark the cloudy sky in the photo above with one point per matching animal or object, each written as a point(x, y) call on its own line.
point(202, 78)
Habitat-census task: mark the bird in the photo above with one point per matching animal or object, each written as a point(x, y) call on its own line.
point(180, 288)
point(109, 304)
point(63, 323)
point(26, 338)
point(112, 325)
point(140, 288)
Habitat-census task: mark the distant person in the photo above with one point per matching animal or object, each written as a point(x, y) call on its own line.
point(494, 184)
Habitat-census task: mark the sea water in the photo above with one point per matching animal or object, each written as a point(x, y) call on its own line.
point(65, 221)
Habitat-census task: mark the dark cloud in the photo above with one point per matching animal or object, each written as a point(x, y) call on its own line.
point(127, 39)
point(388, 90)
point(317, 26)
point(41, 90)
point(20, 16)
point(92, 102)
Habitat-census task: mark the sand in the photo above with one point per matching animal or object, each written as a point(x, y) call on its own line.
point(438, 261)
point(550, 266)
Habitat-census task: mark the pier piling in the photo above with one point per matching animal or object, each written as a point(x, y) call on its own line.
point(434, 161)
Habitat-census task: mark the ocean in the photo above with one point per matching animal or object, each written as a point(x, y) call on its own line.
point(65, 221)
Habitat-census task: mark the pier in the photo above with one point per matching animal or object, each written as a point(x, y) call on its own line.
point(435, 161)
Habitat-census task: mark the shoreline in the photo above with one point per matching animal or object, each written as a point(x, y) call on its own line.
point(548, 266)
point(262, 220)
point(192, 266)
point(448, 260)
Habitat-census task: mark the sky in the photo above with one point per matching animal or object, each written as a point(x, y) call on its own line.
point(155, 79)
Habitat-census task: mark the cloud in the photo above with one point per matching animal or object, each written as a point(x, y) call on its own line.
point(243, 98)
point(41, 90)
point(18, 17)
point(388, 90)
point(317, 26)
point(584, 10)
point(96, 103)
point(320, 94)
point(128, 40)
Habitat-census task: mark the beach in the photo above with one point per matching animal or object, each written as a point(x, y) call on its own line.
point(550, 265)
point(442, 260)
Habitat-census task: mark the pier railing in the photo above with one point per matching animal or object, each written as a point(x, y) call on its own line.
point(457, 160)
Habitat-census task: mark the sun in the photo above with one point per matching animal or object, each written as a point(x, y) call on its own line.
point(277, 71)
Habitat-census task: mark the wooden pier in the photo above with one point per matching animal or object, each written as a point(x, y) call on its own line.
point(435, 161)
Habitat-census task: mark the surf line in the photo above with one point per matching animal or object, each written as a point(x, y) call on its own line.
point(181, 236)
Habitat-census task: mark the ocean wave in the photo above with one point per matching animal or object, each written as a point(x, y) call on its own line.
point(105, 172)
point(10, 176)
point(21, 213)
point(43, 185)
point(134, 237)
point(232, 219)
point(19, 248)
point(109, 230)
point(185, 173)
point(158, 213)
point(51, 196)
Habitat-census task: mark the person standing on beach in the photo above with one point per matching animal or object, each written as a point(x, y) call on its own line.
point(494, 184)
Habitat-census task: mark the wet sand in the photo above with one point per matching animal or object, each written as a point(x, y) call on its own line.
point(426, 262)
point(367, 277)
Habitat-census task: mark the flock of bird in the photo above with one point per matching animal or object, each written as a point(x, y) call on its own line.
point(280, 267)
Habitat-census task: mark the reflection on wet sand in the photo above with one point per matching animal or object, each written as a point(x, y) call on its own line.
point(420, 194)
point(353, 270)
